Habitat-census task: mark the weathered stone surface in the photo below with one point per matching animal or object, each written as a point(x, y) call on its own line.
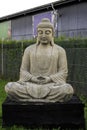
point(43, 71)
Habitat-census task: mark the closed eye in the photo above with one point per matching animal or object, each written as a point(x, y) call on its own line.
point(47, 32)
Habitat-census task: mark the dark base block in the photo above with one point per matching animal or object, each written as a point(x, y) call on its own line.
point(48, 115)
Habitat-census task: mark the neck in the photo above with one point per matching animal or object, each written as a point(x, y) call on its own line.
point(45, 44)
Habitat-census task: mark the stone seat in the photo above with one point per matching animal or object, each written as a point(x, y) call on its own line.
point(47, 115)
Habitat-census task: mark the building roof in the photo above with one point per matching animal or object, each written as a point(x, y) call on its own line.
point(43, 8)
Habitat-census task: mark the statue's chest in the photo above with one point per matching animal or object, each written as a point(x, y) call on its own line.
point(43, 58)
point(44, 54)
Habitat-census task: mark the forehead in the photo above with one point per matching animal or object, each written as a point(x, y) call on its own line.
point(43, 29)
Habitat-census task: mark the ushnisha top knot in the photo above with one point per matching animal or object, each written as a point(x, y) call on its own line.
point(45, 20)
point(45, 23)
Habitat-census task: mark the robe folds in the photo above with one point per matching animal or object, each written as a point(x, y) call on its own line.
point(40, 61)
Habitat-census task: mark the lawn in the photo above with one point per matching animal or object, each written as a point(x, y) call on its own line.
point(3, 96)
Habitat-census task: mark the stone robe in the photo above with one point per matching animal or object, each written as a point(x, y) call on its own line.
point(38, 60)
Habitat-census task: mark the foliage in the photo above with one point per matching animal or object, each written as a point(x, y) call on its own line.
point(71, 42)
point(63, 41)
point(76, 54)
point(84, 99)
point(2, 97)
point(76, 50)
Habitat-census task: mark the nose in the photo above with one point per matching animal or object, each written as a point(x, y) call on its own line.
point(43, 34)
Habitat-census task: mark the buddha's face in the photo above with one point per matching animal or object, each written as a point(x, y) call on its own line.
point(45, 35)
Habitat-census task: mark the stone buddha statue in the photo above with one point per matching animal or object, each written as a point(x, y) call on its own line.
point(43, 71)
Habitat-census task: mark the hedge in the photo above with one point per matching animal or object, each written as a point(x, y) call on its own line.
point(66, 43)
point(76, 50)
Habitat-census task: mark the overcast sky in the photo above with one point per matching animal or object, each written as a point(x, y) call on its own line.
point(8, 7)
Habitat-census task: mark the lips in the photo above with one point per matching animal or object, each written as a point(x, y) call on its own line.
point(44, 39)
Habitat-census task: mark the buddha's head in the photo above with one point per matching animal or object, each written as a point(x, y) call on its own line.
point(45, 32)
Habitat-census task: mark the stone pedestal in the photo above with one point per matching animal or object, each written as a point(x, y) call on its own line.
point(49, 115)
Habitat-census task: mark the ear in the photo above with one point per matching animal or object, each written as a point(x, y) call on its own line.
point(53, 33)
point(38, 42)
point(52, 41)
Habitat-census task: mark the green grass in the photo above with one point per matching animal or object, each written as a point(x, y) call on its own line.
point(3, 96)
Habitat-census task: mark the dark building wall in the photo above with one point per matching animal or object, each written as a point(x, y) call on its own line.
point(22, 28)
point(25, 27)
point(72, 20)
point(38, 17)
